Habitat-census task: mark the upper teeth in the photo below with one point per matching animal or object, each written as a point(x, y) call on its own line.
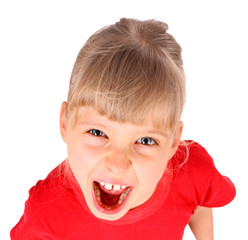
point(110, 186)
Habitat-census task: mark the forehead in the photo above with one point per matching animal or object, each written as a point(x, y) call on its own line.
point(90, 117)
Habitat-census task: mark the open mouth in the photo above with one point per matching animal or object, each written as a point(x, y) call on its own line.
point(110, 197)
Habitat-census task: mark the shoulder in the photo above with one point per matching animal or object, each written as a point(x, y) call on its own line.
point(193, 163)
point(40, 207)
point(50, 188)
point(192, 167)
point(191, 155)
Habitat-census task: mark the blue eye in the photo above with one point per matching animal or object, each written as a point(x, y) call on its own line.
point(146, 141)
point(97, 133)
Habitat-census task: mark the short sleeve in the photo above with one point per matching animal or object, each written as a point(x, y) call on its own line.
point(212, 188)
point(30, 226)
point(220, 191)
point(42, 213)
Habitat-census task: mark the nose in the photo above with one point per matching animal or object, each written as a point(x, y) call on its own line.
point(117, 161)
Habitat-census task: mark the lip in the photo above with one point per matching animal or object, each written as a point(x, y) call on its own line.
point(113, 182)
point(112, 211)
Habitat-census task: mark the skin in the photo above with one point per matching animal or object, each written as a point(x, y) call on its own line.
point(117, 156)
point(201, 223)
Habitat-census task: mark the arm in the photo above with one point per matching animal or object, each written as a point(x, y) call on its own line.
point(201, 223)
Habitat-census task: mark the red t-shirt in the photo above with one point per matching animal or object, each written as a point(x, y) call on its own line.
point(56, 208)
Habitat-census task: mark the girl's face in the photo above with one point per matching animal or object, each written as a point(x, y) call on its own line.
point(117, 165)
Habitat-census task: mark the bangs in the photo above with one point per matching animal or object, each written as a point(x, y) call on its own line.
point(128, 86)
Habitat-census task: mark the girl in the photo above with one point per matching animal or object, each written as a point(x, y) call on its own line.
point(127, 175)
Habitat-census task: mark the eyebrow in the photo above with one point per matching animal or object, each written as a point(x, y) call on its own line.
point(161, 133)
point(91, 124)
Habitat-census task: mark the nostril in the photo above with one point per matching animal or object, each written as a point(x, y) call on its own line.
point(120, 165)
point(109, 169)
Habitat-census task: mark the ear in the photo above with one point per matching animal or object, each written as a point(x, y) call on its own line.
point(176, 140)
point(63, 121)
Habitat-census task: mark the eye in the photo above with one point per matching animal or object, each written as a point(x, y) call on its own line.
point(146, 141)
point(97, 133)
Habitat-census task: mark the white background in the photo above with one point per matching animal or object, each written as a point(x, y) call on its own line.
point(39, 44)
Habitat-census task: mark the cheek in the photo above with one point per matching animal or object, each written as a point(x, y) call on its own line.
point(148, 177)
point(149, 170)
point(152, 172)
point(151, 159)
point(84, 154)
point(83, 158)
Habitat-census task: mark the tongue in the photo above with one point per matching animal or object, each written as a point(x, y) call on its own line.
point(109, 199)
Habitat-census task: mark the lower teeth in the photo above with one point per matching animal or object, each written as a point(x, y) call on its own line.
point(123, 196)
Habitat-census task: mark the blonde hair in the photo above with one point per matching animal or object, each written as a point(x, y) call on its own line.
point(129, 71)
